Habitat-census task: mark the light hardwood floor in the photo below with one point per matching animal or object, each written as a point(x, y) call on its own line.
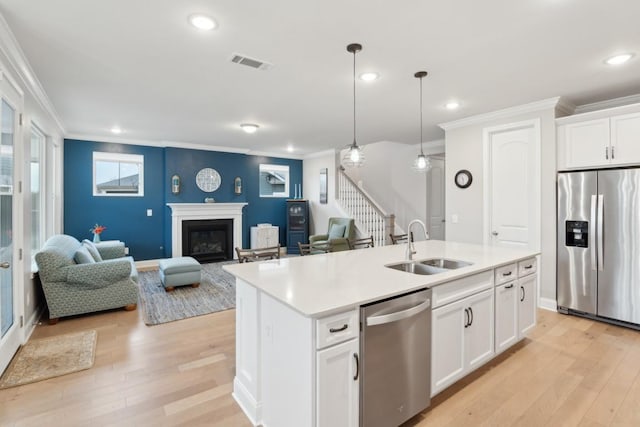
point(570, 371)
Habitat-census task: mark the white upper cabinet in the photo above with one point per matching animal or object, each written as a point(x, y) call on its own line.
point(625, 139)
point(599, 139)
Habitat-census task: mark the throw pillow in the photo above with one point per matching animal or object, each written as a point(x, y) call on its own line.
point(336, 231)
point(83, 256)
point(93, 250)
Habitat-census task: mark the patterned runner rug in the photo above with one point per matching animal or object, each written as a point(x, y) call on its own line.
point(44, 358)
point(217, 292)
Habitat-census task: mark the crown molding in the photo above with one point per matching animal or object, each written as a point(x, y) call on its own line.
point(178, 144)
point(502, 114)
point(610, 103)
point(331, 152)
point(18, 61)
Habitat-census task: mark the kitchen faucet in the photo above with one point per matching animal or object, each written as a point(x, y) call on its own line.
point(411, 249)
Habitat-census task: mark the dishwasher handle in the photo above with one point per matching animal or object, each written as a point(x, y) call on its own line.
point(399, 315)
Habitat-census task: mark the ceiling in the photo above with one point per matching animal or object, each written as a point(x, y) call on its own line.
point(141, 66)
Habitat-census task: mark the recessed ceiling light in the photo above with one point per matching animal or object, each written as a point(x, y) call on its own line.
point(249, 127)
point(619, 59)
point(369, 77)
point(290, 148)
point(116, 130)
point(202, 22)
point(453, 105)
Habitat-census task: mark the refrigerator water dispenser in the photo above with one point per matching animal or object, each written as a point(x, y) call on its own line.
point(577, 233)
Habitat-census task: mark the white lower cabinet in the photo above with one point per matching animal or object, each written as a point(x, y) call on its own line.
point(337, 385)
point(527, 303)
point(506, 316)
point(462, 338)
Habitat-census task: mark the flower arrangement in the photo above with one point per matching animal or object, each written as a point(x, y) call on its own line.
point(97, 230)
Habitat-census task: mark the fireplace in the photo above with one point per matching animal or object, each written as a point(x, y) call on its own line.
point(208, 240)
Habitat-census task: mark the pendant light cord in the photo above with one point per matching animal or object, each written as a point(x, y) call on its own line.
point(421, 152)
point(354, 98)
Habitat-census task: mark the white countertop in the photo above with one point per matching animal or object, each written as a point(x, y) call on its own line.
point(317, 285)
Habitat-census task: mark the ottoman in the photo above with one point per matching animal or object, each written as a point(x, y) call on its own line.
point(179, 272)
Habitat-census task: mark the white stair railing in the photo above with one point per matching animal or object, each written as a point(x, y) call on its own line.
point(370, 218)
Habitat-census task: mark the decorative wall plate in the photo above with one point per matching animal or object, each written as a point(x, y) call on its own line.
point(208, 180)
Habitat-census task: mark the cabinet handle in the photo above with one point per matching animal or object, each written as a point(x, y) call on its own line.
point(334, 330)
point(355, 377)
point(606, 153)
point(509, 286)
point(466, 318)
point(508, 273)
point(471, 311)
point(528, 267)
point(613, 152)
point(522, 289)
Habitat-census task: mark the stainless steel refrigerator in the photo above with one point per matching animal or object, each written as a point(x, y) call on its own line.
point(599, 244)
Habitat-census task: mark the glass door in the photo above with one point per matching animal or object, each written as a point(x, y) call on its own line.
point(9, 327)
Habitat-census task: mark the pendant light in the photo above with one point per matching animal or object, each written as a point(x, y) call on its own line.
point(354, 156)
point(421, 163)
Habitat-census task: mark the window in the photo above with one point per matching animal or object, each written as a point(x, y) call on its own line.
point(274, 181)
point(116, 174)
point(37, 195)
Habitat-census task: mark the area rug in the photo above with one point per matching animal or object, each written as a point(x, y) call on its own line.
point(217, 292)
point(44, 358)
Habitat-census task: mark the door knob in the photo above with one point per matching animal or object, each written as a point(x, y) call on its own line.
point(5, 265)
point(495, 233)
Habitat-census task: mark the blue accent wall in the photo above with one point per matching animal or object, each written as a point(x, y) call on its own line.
point(150, 237)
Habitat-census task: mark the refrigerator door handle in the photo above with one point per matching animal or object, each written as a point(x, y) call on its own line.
point(592, 232)
point(600, 232)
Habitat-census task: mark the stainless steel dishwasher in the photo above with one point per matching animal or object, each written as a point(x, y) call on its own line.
point(395, 351)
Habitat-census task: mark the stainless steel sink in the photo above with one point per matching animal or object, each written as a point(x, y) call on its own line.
point(416, 268)
point(428, 266)
point(448, 264)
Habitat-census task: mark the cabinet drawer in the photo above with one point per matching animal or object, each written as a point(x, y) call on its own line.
point(527, 266)
point(458, 289)
point(506, 273)
point(337, 328)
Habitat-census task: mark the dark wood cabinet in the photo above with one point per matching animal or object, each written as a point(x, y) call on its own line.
point(297, 224)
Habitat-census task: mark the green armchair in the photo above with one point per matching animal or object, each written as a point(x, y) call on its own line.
point(84, 277)
point(339, 232)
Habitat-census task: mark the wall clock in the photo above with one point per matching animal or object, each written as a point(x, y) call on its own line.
point(208, 180)
point(463, 178)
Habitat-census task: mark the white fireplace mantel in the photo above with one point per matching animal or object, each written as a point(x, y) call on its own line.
point(194, 211)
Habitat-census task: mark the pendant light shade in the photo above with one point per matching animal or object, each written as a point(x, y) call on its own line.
point(354, 156)
point(422, 162)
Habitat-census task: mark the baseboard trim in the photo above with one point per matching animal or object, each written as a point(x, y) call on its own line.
point(247, 403)
point(146, 265)
point(548, 304)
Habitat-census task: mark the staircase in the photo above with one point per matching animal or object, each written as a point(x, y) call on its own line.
point(369, 217)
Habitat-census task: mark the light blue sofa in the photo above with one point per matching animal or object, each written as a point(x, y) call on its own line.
point(75, 283)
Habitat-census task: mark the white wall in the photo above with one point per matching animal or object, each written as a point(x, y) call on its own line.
point(464, 150)
point(320, 213)
point(388, 177)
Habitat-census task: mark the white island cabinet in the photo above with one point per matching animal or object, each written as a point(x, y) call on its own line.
point(298, 325)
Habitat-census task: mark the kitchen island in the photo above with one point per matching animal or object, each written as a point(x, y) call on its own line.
point(297, 323)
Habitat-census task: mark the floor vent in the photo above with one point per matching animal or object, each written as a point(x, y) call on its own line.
point(250, 62)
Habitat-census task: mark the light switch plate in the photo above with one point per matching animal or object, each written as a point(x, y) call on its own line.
point(454, 218)
point(149, 212)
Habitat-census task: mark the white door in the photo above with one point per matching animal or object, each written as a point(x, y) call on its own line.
point(587, 143)
point(625, 138)
point(435, 186)
point(506, 316)
point(10, 328)
point(337, 390)
point(512, 185)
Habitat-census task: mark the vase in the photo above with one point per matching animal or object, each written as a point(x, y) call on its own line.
point(96, 238)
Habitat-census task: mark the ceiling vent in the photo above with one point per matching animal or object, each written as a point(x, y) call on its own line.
point(250, 62)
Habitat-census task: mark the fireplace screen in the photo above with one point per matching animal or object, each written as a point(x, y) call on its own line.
point(208, 240)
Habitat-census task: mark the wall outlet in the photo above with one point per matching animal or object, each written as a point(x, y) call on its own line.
point(454, 218)
point(126, 250)
point(149, 212)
